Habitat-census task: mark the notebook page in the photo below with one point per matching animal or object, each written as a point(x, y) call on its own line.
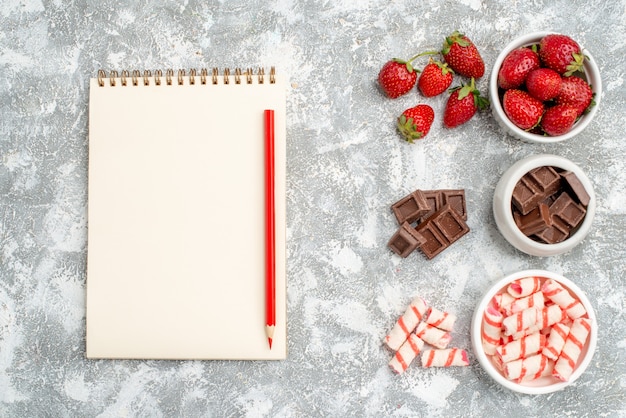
point(176, 226)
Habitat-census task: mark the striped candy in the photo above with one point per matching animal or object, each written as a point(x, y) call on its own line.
point(556, 341)
point(440, 319)
point(492, 329)
point(445, 358)
point(535, 328)
point(528, 368)
point(578, 333)
point(557, 294)
point(406, 324)
point(530, 344)
point(415, 329)
point(433, 335)
point(405, 355)
point(534, 300)
point(524, 287)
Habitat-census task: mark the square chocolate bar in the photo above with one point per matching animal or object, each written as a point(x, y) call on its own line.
point(439, 198)
point(546, 178)
point(567, 210)
point(534, 187)
point(440, 230)
point(558, 232)
point(405, 240)
point(535, 221)
point(411, 207)
point(434, 242)
point(575, 187)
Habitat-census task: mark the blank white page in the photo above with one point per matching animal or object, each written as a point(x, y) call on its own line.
point(176, 256)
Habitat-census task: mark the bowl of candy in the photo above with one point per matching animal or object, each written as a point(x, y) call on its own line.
point(544, 205)
point(544, 88)
point(534, 332)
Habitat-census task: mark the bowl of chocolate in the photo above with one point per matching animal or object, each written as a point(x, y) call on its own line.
point(538, 98)
point(544, 205)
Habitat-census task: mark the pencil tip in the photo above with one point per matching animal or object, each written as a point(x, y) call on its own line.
point(269, 331)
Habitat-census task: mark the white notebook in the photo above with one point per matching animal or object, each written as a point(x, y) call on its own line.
point(176, 244)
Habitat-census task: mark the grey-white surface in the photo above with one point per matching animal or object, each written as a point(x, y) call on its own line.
point(346, 166)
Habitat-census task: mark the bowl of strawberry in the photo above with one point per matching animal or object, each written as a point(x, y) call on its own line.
point(544, 88)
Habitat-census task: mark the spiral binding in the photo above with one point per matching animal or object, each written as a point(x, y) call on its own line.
point(137, 77)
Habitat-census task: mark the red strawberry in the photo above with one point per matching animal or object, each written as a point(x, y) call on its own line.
point(515, 66)
point(436, 77)
point(522, 109)
point(543, 84)
point(561, 53)
point(462, 104)
point(576, 92)
point(558, 119)
point(462, 56)
point(414, 123)
point(397, 77)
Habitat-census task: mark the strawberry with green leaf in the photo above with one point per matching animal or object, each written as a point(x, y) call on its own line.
point(435, 78)
point(561, 53)
point(576, 92)
point(414, 123)
point(397, 77)
point(462, 55)
point(462, 104)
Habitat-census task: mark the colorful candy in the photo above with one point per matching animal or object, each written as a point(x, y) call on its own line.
point(527, 330)
point(433, 335)
point(406, 324)
point(524, 287)
point(525, 346)
point(415, 329)
point(557, 294)
point(405, 355)
point(440, 319)
point(534, 300)
point(556, 341)
point(492, 329)
point(528, 368)
point(445, 358)
point(578, 333)
point(520, 321)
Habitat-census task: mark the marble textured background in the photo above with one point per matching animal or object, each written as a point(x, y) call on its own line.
point(346, 165)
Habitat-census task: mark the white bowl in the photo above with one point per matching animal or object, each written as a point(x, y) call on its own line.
point(504, 215)
point(542, 385)
point(592, 75)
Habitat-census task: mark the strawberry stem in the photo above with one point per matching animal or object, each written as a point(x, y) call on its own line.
point(408, 62)
point(422, 54)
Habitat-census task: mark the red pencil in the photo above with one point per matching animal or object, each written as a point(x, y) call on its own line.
point(270, 230)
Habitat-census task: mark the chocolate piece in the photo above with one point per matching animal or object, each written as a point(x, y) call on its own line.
point(434, 198)
point(535, 221)
point(564, 195)
point(547, 179)
point(405, 240)
point(456, 199)
point(439, 198)
point(534, 187)
point(440, 230)
point(575, 187)
point(434, 241)
point(558, 232)
point(567, 210)
point(411, 207)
